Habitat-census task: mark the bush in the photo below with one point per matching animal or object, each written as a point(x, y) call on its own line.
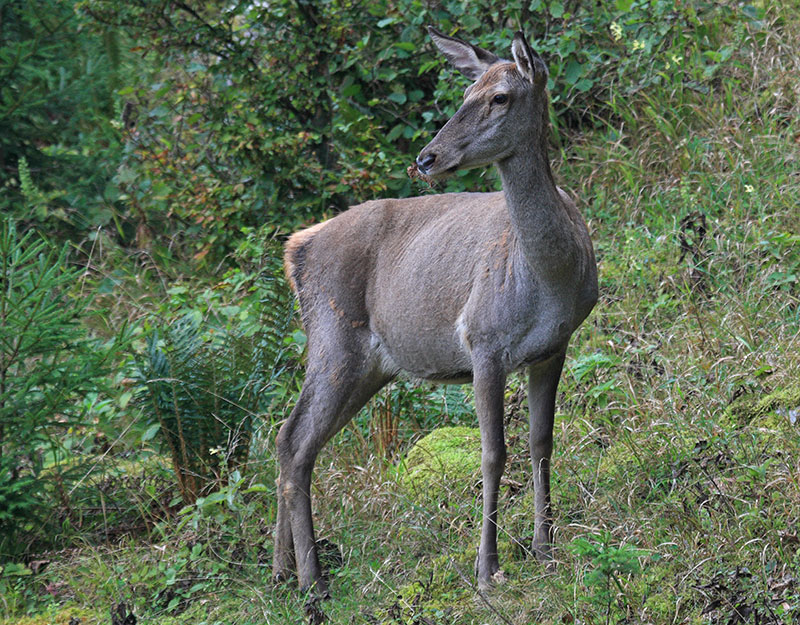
point(207, 376)
point(58, 146)
point(283, 113)
point(48, 364)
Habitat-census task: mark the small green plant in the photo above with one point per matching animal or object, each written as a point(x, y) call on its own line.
point(205, 382)
point(203, 389)
point(596, 372)
point(48, 365)
point(17, 596)
point(36, 201)
point(610, 564)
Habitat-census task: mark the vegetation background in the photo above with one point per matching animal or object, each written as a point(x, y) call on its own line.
point(153, 156)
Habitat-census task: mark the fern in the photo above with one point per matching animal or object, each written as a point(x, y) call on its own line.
point(37, 201)
point(208, 385)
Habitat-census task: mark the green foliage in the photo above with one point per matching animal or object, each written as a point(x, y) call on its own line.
point(19, 495)
point(57, 142)
point(599, 54)
point(676, 425)
point(244, 115)
point(47, 364)
point(610, 564)
point(17, 597)
point(591, 372)
point(205, 382)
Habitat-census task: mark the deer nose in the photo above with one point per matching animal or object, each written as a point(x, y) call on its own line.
point(424, 162)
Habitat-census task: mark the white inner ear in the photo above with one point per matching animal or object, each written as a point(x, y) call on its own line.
point(462, 57)
point(522, 59)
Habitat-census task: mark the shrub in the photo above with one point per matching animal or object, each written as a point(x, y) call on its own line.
point(207, 376)
point(58, 145)
point(48, 363)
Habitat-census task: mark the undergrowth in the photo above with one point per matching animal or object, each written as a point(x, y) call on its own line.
point(677, 440)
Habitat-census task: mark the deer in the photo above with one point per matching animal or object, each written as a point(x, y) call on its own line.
point(451, 288)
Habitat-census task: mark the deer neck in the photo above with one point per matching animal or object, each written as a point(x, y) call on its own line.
point(544, 233)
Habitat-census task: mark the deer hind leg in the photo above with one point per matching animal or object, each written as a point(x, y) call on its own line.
point(332, 393)
point(542, 386)
point(283, 560)
point(489, 383)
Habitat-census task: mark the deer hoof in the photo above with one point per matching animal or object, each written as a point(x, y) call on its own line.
point(281, 577)
point(498, 578)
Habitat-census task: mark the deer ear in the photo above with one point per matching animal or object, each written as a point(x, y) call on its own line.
point(470, 60)
point(529, 63)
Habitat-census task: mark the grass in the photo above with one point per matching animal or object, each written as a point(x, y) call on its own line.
point(677, 461)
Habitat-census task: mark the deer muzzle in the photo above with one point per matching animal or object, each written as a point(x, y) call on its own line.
point(425, 162)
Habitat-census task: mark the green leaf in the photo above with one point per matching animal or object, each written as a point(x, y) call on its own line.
point(395, 132)
point(573, 71)
point(351, 90)
point(213, 498)
point(124, 399)
point(150, 432)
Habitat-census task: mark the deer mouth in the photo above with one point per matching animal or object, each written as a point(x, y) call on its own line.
point(436, 171)
point(433, 165)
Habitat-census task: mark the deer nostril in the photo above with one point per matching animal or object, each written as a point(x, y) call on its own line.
point(424, 163)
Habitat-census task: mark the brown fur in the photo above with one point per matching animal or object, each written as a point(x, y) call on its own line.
point(294, 254)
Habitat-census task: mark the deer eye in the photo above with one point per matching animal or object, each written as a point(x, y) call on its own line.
point(500, 98)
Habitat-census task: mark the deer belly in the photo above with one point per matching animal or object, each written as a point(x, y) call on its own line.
point(422, 351)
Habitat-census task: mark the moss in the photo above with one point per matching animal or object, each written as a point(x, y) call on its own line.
point(445, 462)
point(660, 607)
point(62, 616)
point(774, 410)
point(617, 461)
point(436, 591)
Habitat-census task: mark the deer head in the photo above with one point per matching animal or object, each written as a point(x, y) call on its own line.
point(495, 119)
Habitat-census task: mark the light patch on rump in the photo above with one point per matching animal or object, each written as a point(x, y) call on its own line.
point(295, 243)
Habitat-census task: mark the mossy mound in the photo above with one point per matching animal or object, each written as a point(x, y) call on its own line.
point(776, 409)
point(444, 463)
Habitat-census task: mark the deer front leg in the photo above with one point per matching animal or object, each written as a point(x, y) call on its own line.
point(542, 386)
point(489, 383)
